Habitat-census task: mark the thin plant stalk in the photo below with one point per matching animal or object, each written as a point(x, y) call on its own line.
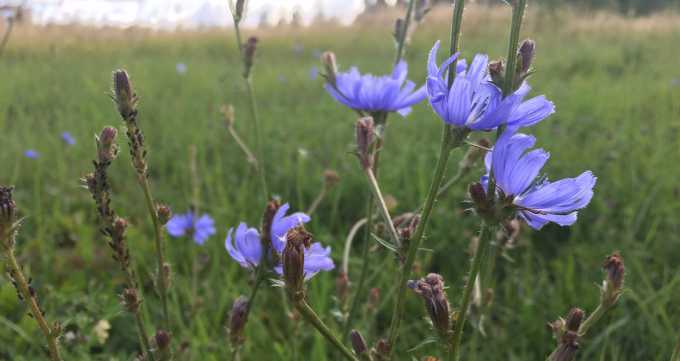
point(517, 16)
point(317, 201)
point(676, 352)
point(595, 316)
point(308, 313)
point(6, 35)
point(250, 157)
point(450, 139)
point(403, 33)
point(23, 287)
point(382, 207)
point(485, 234)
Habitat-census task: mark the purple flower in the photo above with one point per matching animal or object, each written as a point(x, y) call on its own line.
point(246, 249)
point(476, 103)
point(387, 93)
point(281, 224)
point(317, 259)
point(181, 68)
point(189, 224)
point(32, 154)
point(68, 138)
point(313, 73)
point(537, 200)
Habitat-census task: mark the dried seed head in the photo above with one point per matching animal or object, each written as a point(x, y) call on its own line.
point(381, 351)
point(297, 240)
point(574, 319)
point(131, 300)
point(525, 57)
point(330, 178)
point(330, 67)
point(164, 213)
point(612, 286)
point(358, 343)
point(431, 289)
point(249, 49)
point(364, 138)
point(125, 97)
point(237, 320)
point(497, 72)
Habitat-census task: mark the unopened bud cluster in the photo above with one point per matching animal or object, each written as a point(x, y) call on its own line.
point(237, 320)
point(293, 260)
point(612, 286)
point(7, 217)
point(431, 289)
point(567, 333)
point(249, 49)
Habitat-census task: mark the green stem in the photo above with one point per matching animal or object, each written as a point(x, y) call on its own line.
point(676, 352)
point(158, 237)
point(592, 319)
point(5, 37)
point(28, 296)
point(382, 207)
point(308, 313)
point(517, 16)
point(485, 235)
point(364, 269)
point(131, 283)
point(404, 32)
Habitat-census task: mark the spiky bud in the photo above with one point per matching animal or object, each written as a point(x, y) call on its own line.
point(131, 300)
point(249, 49)
point(297, 241)
point(481, 201)
point(107, 149)
point(124, 94)
point(330, 67)
point(612, 286)
point(7, 217)
point(237, 320)
point(164, 213)
point(525, 56)
point(431, 289)
point(364, 138)
point(358, 343)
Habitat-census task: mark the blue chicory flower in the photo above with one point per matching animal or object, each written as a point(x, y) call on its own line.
point(474, 102)
point(32, 154)
point(189, 224)
point(68, 138)
point(313, 73)
point(537, 200)
point(181, 68)
point(246, 247)
point(369, 93)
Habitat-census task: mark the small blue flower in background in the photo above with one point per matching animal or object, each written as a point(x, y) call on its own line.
point(474, 102)
point(190, 225)
point(68, 138)
point(369, 93)
point(245, 247)
point(181, 68)
point(313, 73)
point(537, 200)
point(32, 154)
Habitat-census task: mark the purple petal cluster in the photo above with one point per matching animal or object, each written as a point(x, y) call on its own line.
point(32, 154)
point(369, 93)
point(245, 247)
point(538, 201)
point(191, 225)
point(68, 138)
point(474, 102)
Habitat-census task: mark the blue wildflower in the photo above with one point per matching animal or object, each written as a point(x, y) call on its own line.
point(247, 249)
point(313, 73)
point(317, 259)
point(474, 102)
point(281, 224)
point(537, 200)
point(189, 224)
point(32, 154)
point(181, 68)
point(68, 138)
point(369, 93)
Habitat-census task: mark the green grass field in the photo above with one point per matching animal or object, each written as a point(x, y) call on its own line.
point(617, 93)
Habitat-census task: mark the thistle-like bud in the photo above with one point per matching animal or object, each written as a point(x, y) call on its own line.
point(107, 149)
point(431, 289)
point(131, 300)
point(330, 67)
point(249, 55)
point(381, 351)
point(481, 201)
point(162, 340)
point(574, 319)
point(612, 286)
point(358, 343)
point(125, 97)
point(330, 178)
point(422, 8)
point(525, 56)
point(229, 115)
point(237, 320)
point(364, 135)
point(497, 72)
point(267, 220)
point(164, 213)
point(7, 217)
point(297, 241)
point(567, 349)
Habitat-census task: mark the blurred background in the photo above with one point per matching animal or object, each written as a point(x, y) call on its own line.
point(610, 67)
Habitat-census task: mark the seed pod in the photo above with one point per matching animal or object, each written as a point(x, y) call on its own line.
point(164, 213)
point(358, 343)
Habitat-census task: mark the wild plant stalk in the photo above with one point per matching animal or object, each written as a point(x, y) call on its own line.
point(114, 228)
point(230, 119)
point(310, 316)
point(126, 101)
point(451, 138)
point(676, 352)
point(6, 34)
point(9, 227)
point(247, 53)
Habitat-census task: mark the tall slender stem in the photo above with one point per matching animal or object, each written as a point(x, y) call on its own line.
point(451, 138)
point(382, 207)
point(511, 65)
point(403, 32)
point(5, 36)
point(676, 352)
point(362, 273)
point(485, 235)
point(308, 313)
point(600, 310)
point(27, 294)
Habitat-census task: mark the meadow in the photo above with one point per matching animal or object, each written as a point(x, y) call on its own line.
point(616, 85)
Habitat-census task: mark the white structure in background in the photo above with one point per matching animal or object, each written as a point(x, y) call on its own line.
point(183, 14)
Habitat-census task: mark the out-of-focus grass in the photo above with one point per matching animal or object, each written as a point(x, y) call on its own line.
point(616, 89)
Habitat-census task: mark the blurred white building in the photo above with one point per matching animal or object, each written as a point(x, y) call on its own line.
point(176, 14)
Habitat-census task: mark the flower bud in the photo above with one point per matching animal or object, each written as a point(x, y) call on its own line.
point(249, 55)
point(330, 178)
point(164, 213)
point(131, 300)
point(7, 217)
point(237, 320)
point(358, 342)
point(229, 115)
point(431, 289)
point(567, 349)
point(482, 203)
point(125, 97)
point(330, 67)
point(398, 29)
point(107, 149)
point(267, 219)
point(381, 351)
point(297, 240)
point(162, 340)
point(612, 286)
point(525, 56)
point(497, 72)
point(574, 319)
point(364, 138)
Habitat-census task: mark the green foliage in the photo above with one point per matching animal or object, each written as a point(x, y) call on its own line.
point(616, 96)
